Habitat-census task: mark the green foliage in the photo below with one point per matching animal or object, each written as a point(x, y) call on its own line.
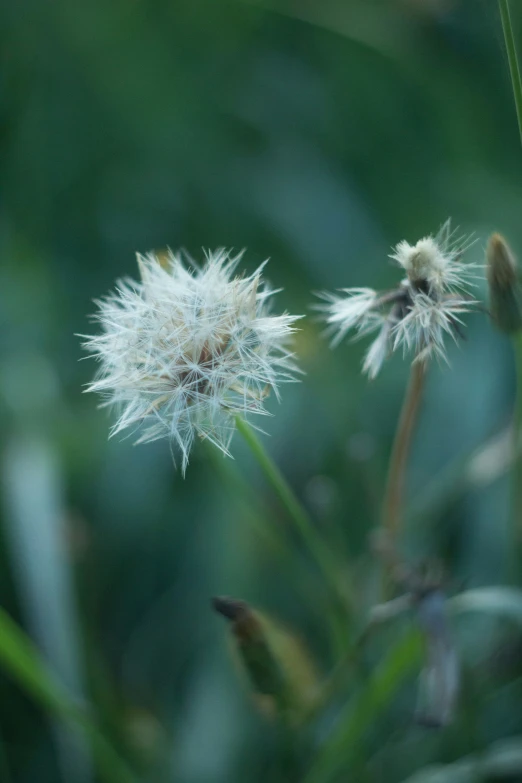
point(22, 662)
point(501, 761)
point(316, 134)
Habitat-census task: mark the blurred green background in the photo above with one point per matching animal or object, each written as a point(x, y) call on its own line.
point(316, 134)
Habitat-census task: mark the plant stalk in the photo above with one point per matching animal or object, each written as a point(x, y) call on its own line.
point(511, 50)
point(5, 774)
point(312, 539)
point(516, 83)
point(517, 452)
point(392, 506)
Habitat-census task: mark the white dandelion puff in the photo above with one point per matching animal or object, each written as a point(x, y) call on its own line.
point(185, 351)
point(434, 263)
point(346, 312)
point(417, 315)
point(378, 350)
point(426, 324)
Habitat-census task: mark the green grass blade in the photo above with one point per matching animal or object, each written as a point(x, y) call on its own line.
point(21, 661)
point(365, 707)
point(501, 761)
point(514, 68)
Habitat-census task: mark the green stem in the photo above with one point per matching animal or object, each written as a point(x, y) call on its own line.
point(288, 752)
point(258, 517)
point(309, 535)
point(517, 453)
point(392, 506)
point(516, 83)
point(5, 774)
point(514, 69)
point(20, 659)
point(392, 509)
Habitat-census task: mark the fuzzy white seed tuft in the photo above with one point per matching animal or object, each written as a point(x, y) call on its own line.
point(420, 312)
point(186, 350)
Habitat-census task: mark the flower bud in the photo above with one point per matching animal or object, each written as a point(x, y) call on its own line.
point(280, 673)
point(505, 290)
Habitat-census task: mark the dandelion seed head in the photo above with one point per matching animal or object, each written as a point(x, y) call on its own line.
point(426, 325)
point(418, 314)
point(423, 263)
point(345, 312)
point(187, 349)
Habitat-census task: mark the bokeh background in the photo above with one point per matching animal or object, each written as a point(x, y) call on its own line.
point(316, 134)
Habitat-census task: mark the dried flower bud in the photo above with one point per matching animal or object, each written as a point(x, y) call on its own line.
point(505, 291)
point(279, 670)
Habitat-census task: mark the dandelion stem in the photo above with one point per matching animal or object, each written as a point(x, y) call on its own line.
point(514, 69)
point(257, 514)
point(392, 507)
point(309, 535)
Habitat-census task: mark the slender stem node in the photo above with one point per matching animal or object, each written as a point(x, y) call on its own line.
point(392, 506)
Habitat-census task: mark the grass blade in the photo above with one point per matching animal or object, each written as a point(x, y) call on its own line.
point(367, 704)
point(20, 660)
point(514, 69)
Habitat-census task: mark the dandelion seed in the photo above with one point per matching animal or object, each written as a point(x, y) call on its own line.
point(185, 351)
point(421, 312)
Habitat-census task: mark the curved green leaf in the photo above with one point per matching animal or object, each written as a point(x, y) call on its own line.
point(366, 705)
point(21, 661)
point(502, 601)
point(503, 758)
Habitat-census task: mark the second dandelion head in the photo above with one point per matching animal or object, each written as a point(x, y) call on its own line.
point(417, 315)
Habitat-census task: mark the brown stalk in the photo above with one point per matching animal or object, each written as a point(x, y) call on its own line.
point(392, 506)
